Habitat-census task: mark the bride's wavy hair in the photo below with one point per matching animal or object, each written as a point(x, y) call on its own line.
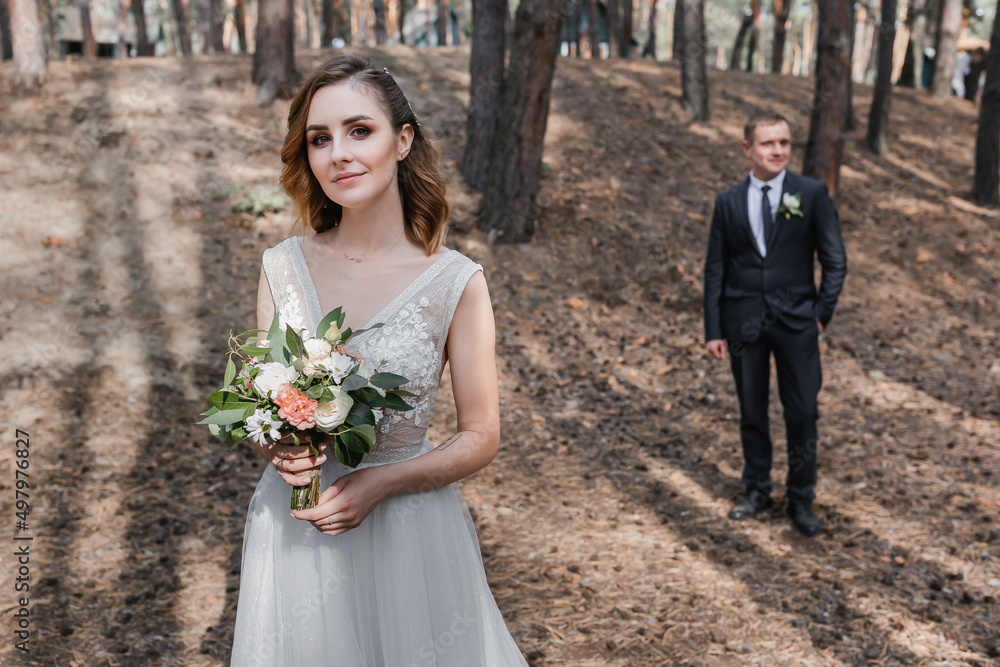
point(421, 188)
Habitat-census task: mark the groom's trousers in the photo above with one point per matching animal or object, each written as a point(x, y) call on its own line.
point(796, 356)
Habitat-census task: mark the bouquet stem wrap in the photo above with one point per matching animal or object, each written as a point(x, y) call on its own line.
point(307, 495)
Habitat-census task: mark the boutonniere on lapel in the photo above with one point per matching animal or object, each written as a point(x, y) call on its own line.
point(791, 205)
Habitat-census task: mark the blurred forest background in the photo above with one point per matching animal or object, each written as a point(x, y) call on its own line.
point(583, 144)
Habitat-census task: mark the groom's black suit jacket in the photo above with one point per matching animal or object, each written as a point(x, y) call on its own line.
point(745, 292)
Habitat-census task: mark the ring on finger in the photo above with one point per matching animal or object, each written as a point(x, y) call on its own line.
point(329, 520)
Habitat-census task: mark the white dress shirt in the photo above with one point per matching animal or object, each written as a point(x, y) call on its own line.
point(754, 197)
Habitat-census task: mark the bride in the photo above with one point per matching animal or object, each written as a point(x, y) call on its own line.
point(385, 571)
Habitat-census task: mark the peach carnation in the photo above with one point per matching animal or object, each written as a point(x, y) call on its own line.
point(296, 408)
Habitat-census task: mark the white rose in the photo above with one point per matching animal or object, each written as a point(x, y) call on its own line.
point(271, 376)
point(333, 413)
point(338, 365)
point(317, 351)
point(379, 413)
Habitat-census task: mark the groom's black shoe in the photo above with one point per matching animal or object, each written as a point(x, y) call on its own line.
point(756, 501)
point(804, 518)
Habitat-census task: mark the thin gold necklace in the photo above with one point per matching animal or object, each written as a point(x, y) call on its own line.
point(358, 259)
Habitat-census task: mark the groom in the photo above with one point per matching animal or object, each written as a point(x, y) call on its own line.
point(760, 299)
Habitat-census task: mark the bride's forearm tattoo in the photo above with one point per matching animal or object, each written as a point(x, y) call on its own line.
point(449, 442)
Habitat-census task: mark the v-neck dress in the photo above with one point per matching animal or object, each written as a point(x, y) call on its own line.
point(407, 587)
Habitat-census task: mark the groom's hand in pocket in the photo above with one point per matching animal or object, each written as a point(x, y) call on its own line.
point(717, 348)
point(291, 460)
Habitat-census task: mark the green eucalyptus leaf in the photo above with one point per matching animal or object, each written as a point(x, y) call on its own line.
point(347, 456)
point(396, 403)
point(294, 342)
point(387, 380)
point(230, 372)
point(315, 392)
point(251, 332)
point(370, 397)
point(377, 325)
point(353, 382)
point(353, 441)
point(224, 417)
point(366, 432)
point(360, 414)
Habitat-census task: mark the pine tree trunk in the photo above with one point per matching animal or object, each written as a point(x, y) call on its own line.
point(949, 23)
point(796, 68)
point(378, 6)
point(89, 43)
point(239, 18)
point(204, 26)
point(694, 78)
point(51, 25)
point(849, 123)
point(677, 46)
point(858, 44)
point(121, 11)
point(508, 208)
point(741, 35)
point(825, 146)
point(918, 31)
point(141, 38)
point(183, 27)
point(486, 76)
point(650, 48)
point(442, 22)
point(625, 45)
point(986, 184)
point(402, 21)
point(809, 42)
point(878, 119)
point(613, 16)
point(782, 8)
point(330, 22)
point(593, 29)
point(215, 25)
point(274, 57)
point(574, 27)
point(6, 47)
point(28, 47)
point(754, 33)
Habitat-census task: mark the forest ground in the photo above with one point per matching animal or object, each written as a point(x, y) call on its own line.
point(603, 519)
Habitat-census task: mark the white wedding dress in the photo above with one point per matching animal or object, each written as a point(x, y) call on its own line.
point(407, 587)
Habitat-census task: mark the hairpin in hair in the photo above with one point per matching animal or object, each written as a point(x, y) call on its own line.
point(386, 70)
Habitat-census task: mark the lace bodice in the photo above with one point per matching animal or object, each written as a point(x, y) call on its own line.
point(410, 342)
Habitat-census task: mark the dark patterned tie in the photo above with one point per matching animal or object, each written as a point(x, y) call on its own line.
point(765, 212)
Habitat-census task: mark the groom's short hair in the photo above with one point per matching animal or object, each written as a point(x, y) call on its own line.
point(762, 118)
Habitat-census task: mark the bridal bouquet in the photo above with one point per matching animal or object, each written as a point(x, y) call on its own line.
point(292, 382)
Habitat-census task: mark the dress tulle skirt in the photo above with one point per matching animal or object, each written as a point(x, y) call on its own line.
point(406, 588)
